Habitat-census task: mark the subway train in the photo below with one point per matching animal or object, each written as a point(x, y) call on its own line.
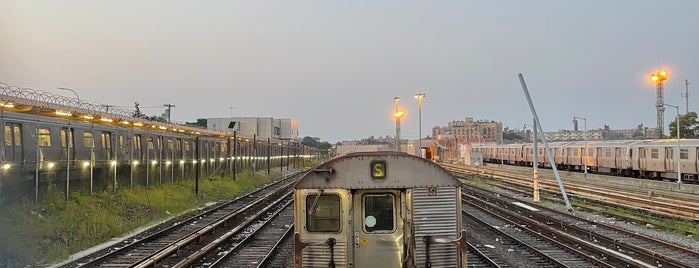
point(378, 209)
point(648, 159)
point(50, 142)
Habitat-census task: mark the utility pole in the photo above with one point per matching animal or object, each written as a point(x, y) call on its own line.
point(106, 107)
point(169, 107)
point(686, 95)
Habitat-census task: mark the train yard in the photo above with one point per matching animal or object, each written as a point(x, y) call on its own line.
point(504, 230)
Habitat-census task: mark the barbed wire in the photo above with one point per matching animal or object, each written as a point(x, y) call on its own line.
point(42, 98)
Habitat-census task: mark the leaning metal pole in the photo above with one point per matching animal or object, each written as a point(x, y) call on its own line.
point(546, 145)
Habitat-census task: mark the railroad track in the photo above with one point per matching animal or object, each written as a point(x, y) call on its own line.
point(605, 242)
point(519, 246)
point(254, 243)
point(479, 259)
point(168, 243)
point(685, 209)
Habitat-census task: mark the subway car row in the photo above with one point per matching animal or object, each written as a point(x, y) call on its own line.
point(649, 159)
point(74, 150)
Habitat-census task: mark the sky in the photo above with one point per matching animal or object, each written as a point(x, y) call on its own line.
point(336, 66)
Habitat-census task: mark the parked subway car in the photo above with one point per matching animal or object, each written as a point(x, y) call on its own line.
point(650, 159)
point(378, 209)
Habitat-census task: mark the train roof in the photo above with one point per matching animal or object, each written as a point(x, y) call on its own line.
point(376, 170)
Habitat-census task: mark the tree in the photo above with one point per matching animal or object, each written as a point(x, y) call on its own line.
point(137, 113)
point(310, 141)
point(688, 125)
point(512, 136)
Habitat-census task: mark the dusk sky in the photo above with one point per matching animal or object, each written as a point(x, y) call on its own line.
point(336, 66)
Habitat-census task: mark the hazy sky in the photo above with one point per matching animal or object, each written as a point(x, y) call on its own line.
point(336, 66)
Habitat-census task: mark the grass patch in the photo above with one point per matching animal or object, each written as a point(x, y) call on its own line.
point(36, 234)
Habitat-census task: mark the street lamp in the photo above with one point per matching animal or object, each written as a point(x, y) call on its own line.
point(398, 114)
point(679, 173)
point(585, 138)
point(419, 97)
point(68, 89)
point(658, 78)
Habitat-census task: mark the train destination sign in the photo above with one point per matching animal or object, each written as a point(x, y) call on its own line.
point(378, 169)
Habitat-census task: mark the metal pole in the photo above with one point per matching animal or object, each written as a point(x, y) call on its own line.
point(686, 95)
point(660, 109)
point(548, 150)
point(235, 152)
point(585, 153)
point(269, 153)
point(535, 142)
point(419, 97)
point(679, 163)
point(70, 138)
point(679, 160)
point(197, 166)
point(397, 125)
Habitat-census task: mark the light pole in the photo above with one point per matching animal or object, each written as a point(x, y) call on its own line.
point(419, 97)
point(68, 145)
point(398, 115)
point(584, 138)
point(68, 89)
point(679, 173)
point(658, 78)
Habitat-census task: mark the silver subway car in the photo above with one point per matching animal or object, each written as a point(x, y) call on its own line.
point(378, 209)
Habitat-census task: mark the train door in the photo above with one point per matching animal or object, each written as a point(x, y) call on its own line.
point(378, 228)
point(68, 143)
point(642, 165)
point(106, 139)
point(137, 151)
point(13, 142)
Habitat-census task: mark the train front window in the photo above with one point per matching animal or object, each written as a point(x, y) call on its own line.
point(323, 213)
point(378, 212)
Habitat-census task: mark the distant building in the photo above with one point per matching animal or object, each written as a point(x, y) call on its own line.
point(486, 130)
point(262, 127)
point(640, 132)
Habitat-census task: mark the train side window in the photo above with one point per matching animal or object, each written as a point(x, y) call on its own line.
point(654, 153)
point(608, 152)
point(44, 137)
point(186, 146)
point(18, 135)
point(8, 135)
point(88, 140)
point(170, 145)
point(575, 152)
point(323, 213)
point(378, 213)
point(684, 154)
point(150, 143)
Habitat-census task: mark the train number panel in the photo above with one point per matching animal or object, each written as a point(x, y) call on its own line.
point(378, 209)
